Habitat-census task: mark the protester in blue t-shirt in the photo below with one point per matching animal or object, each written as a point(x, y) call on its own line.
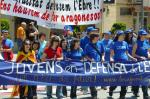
point(106, 42)
point(130, 39)
point(94, 53)
point(141, 50)
point(63, 45)
point(76, 53)
point(7, 46)
point(86, 39)
point(119, 53)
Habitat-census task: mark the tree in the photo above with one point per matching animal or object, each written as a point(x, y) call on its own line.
point(4, 24)
point(118, 26)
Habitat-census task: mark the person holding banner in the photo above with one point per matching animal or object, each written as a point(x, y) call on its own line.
point(76, 53)
point(106, 42)
point(141, 50)
point(119, 53)
point(25, 55)
point(64, 46)
point(94, 52)
point(53, 52)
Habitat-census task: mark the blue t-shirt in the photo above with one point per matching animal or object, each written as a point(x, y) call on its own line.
point(142, 48)
point(76, 54)
point(92, 53)
point(8, 43)
point(107, 45)
point(65, 52)
point(120, 48)
point(41, 49)
point(84, 41)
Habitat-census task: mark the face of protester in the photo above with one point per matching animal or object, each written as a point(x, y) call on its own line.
point(5, 35)
point(55, 43)
point(27, 46)
point(24, 26)
point(35, 46)
point(143, 37)
point(42, 38)
point(130, 35)
point(121, 37)
point(77, 45)
point(69, 33)
point(64, 44)
point(106, 36)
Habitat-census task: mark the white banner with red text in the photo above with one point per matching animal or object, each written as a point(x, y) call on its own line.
point(51, 13)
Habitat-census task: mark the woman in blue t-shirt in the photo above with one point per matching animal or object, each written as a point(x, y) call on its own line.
point(63, 45)
point(76, 53)
point(119, 53)
point(141, 51)
point(106, 42)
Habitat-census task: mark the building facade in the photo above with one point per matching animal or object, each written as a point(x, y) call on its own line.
point(126, 11)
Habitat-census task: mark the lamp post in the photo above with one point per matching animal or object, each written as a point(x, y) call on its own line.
point(142, 13)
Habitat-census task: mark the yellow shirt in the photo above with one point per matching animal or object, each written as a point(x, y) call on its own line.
point(21, 33)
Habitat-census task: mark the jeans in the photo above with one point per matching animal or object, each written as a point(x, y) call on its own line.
point(30, 94)
point(64, 90)
point(135, 90)
point(122, 92)
point(49, 91)
point(74, 90)
point(19, 43)
point(58, 91)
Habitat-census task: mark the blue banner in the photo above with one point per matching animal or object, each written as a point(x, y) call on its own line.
point(75, 73)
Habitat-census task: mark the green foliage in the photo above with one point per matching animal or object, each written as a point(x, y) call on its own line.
point(118, 26)
point(4, 24)
point(148, 26)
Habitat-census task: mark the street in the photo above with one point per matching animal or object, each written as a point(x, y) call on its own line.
point(102, 94)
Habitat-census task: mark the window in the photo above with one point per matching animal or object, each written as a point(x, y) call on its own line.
point(109, 1)
point(125, 11)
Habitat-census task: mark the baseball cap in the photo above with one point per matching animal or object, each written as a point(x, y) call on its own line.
point(120, 32)
point(128, 31)
point(90, 29)
point(4, 31)
point(142, 32)
point(108, 32)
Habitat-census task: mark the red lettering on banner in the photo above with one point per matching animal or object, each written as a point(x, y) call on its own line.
point(26, 11)
point(62, 18)
point(45, 16)
point(81, 18)
point(4, 6)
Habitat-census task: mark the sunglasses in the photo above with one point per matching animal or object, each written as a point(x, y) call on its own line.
point(27, 44)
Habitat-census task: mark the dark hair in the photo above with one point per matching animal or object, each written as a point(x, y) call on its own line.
point(36, 42)
point(42, 34)
point(92, 36)
point(54, 39)
point(116, 38)
point(23, 45)
point(73, 42)
point(62, 42)
point(129, 41)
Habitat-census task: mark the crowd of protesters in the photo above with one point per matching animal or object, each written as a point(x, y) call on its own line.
point(33, 48)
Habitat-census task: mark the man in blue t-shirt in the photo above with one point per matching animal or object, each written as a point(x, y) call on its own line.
point(94, 53)
point(85, 40)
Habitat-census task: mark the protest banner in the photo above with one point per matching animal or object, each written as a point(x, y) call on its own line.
point(53, 12)
point(75, 73)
